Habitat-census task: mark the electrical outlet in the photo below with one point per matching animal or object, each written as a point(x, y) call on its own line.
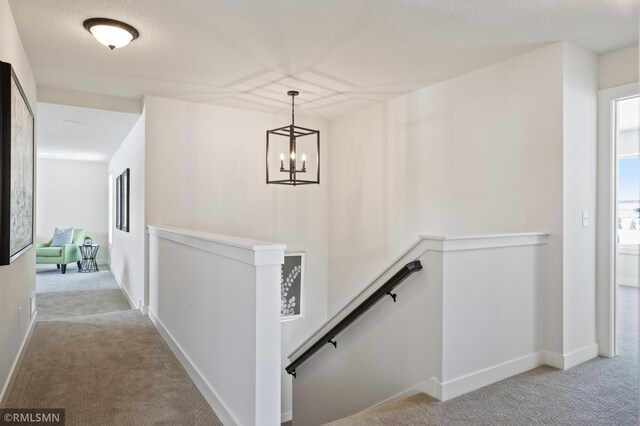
point(19, 315)
point(585, 219)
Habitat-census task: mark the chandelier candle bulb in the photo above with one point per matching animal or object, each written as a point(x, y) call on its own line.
point(282, 162)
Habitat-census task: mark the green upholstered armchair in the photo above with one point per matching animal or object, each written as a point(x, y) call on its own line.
point(60, 256)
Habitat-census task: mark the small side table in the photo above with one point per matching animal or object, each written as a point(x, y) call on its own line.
point(88, 262)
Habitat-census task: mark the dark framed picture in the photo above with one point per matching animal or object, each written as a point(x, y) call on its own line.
point(118, 203)
point(124, 180)
point(17, 147)
point(292, 286)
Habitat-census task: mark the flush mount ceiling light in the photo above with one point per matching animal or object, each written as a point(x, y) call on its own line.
point(111, 33)
point(301, 150)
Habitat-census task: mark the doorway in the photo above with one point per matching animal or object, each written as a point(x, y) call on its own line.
point(627, 233)
point(618, 221)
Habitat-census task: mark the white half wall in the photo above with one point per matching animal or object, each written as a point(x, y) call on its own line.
point(205, 170)
point(469, 318)
point(75, 194)
point(216, 300)
point(127, 254)
point(17, 281)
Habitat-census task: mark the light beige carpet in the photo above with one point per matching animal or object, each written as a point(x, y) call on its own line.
point(597, 393)
point(74, 294)
point(107, 369)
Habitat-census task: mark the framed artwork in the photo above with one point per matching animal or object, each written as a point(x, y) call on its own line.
point(292, 286)
point(17, 147)
point(118, 203)
point(124, 180)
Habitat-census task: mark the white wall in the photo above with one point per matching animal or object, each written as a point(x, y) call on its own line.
point(478, 154)
point(75, 194)
point(205, 171)
point(127, 253)
point(507, 148)
point(579, 188)
point(618, 68)
point(17, 281)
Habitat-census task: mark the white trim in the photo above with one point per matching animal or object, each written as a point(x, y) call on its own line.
point(629, 249)
point(580, 355)
point(286, 416)
point(126, 293)
point(252, 252)
point(553, 359)
point(571, 359)
point(474, 242)
point(217, 405)
point(444, 391)
point(19, 356)
point(488, 376)
point(629, 282)
point(430, 387)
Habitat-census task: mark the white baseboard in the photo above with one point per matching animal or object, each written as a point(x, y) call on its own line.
point(581, 355)
point(219, 408)
point(476, 380)
point(429, 387)
point(126, 293)
point(631, 282)
point(571, 359)
point(286, 416)
point(18, 358)
point(553, 359)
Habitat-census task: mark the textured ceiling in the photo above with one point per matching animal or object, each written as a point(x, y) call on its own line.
point(341, 54)
point(81, 133)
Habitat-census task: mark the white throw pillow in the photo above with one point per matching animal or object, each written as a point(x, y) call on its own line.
point(62, 236)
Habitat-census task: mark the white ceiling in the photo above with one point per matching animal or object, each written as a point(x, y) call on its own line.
point(68, 132)
point(341, 54)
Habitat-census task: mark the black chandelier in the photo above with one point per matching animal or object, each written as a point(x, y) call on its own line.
point(294, 143)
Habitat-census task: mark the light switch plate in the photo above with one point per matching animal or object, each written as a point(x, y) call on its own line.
point(585, 219)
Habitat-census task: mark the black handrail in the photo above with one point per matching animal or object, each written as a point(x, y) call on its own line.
point(384, 290)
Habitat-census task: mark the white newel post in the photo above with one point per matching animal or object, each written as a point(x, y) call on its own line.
point(268, 375)
point(216, 301)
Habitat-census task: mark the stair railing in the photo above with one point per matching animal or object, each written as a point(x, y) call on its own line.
point(384, 290)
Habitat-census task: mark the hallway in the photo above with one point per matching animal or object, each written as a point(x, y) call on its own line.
point(101, 361)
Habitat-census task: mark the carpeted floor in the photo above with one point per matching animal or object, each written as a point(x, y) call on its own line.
point(73, 294)
point(598, 392)
point(105, 369)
